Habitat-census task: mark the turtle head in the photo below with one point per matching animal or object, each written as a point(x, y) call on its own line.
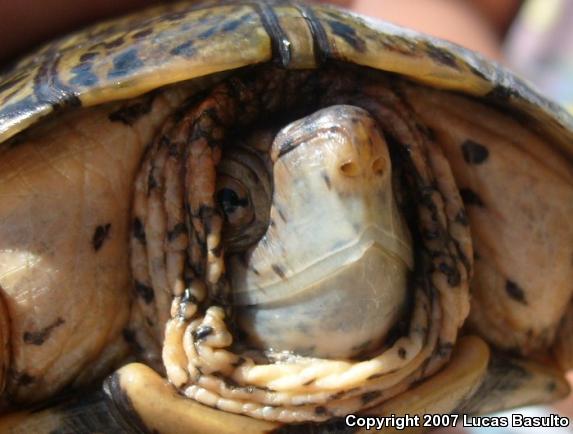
point(328, 278)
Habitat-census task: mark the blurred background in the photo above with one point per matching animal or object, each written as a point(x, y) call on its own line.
point(534, 38)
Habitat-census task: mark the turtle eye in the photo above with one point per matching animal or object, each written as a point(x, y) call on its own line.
point(233, 199)
point(243, 195)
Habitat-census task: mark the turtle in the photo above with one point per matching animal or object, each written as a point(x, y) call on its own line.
point(271, 216)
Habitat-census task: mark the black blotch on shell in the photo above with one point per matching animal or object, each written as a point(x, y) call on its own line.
point(515, 292)
point(186, 49)
point(101, 233)
point(470, 197)
point(402, 353)
point(347, 33)
point(117, 42)
point(474, 152)
point(144, 291)
point(441, 56)
point(125, 63)
point(142, 33)
point(83, 75)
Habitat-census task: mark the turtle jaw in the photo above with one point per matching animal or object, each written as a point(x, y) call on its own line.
point(339, 295)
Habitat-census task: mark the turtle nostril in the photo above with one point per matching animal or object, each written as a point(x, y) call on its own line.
point(350, 168)
point(379, 166)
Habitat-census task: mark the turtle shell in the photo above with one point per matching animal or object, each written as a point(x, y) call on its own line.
point(129, 56)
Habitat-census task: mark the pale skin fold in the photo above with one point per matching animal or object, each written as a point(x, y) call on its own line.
point(177, 261)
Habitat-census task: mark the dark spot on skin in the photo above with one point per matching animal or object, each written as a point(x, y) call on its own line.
point(402, 353)
point(129, 337)
point(100, 235)
point(125, 63)
point(202, 332)
point(286, 146)
point(186, 50)
point(151, 182)
point(370, 396)
point(144, 291)
point(337, 395)
point(308, 383)
point(551, 386)
point(515, 292)
point(347, 33)
point(326, 180)
point(470, 197)
point(142, 33)
point(452, 274)
point(217, 251)
point(320, 410)
point(138, 231)
point(131, 113)
point(278, 270)
point(24, 379)
point(474, 152)
point(174, 233)
point(281, 214)
point(188, 297)
point(39, 337)
point(441, 56)
point(445, 349)
point(240, 361)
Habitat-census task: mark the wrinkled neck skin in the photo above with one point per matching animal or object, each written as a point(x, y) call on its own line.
point(329, 276)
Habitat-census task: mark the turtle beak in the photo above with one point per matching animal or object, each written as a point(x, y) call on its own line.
point(336, 239)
